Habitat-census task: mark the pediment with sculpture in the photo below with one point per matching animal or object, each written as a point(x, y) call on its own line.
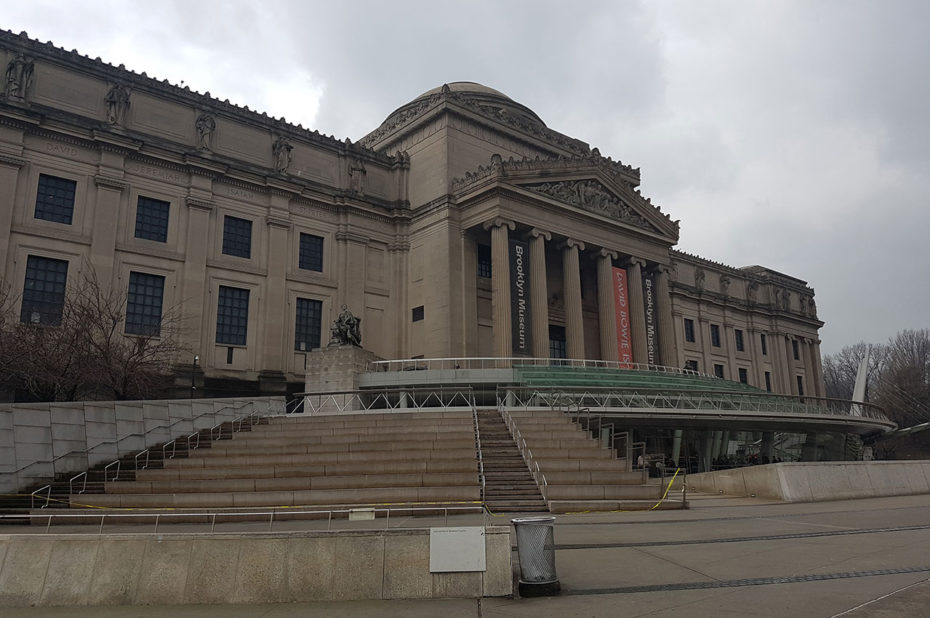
point(592, 196)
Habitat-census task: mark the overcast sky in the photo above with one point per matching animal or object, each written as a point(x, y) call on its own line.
point(788, 133)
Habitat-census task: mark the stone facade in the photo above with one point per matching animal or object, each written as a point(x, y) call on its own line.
point(411, 228)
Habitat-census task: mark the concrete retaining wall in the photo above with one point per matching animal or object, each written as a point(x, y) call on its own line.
point(39, 441)
point(818, 481)
point(174, 569)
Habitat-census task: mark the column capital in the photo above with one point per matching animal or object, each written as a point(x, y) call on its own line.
point(537, 233)
point(499, 222)
point(569, 243)
point(633, 261)
point(608, 253)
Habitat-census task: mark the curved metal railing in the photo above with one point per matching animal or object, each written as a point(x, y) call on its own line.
point(445, 364)
point(388, 399)
point(691, 400)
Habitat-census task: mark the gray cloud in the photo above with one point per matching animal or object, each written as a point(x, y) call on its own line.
point(790, 134)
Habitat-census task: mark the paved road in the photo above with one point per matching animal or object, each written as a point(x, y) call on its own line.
point(723, 557)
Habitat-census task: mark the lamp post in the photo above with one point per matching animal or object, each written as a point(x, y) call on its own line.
point(194, 375)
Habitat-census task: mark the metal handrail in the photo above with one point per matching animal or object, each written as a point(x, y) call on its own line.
point(140, 454)
point(389, 399)
point(107, 469)
point(480, 456)
point(212, 515)
point(684, 399)
point(48, 496)
point(164, 449)
point(88, 451)
point(492, 362)
point(74, 478)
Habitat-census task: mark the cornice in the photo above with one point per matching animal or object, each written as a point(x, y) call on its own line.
point(196, 204)
point(205, 102)
point(110, 183)
point(12, 161)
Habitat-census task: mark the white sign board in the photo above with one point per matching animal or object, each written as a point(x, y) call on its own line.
point(454, 550)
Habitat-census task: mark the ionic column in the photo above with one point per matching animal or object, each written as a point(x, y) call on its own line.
point(637, 311)
point(606, 307)
point(500, 285)
point(539, 293)
point(668, 355)
point(571, 277)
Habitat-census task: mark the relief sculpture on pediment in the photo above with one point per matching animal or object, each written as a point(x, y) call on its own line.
point(593, 197)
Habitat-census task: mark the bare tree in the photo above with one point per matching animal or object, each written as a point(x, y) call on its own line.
point(88, 354)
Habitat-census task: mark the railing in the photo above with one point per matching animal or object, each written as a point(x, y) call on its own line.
point(526, 452)
point(388, 400)
point(690, 400)
point(489, 362)
point(211, 516)
point(87, 453)
point(474, 413)
point(142, 458)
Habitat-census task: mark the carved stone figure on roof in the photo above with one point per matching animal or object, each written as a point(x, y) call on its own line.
point(206, 125)
point(281, 149)
point(699, 279)
point(18, 77)
point(724, 285)
point(752, 290)
point(778, 297)
point(117, 102)
point(357, 176)
point(786, 300)
point(346, 329)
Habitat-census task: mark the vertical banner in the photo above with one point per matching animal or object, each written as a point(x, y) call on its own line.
point(521, 328)
point(652, 322)
point(622, 309)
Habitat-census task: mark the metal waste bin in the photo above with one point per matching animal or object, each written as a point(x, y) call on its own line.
point(536, 550)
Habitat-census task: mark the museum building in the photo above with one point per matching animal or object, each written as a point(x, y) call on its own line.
point(461, 227)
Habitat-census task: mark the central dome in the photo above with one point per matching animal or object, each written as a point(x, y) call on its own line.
point(486, 101)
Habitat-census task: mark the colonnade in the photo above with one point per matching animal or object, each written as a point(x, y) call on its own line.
point(572, 251)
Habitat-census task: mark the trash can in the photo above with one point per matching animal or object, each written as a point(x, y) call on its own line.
point(536, 551)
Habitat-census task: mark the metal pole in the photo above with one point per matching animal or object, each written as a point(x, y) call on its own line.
point(194, 375)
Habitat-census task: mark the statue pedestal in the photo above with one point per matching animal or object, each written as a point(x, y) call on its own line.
point(333, 369)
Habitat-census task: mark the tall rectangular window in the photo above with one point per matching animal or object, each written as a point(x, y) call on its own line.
point(152, 219)
point(800, 385)
point(768, 381)
point(743, 375)
point(794, 349)
point(718, 371)
point(55, 199)
point(740, 347)
point(307, 328)
point(44, 290)
point(311, 252)
point(765, 349)
point(715, 335)
point(416, 314)
point(484, 261)
point(143, 305)
point(557, 348)
point(232, 316)
point(689, 330)
point(237, 237)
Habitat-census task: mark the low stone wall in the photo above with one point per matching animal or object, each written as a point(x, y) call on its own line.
point(39, 441)
point(818, 481)
point(170, 569)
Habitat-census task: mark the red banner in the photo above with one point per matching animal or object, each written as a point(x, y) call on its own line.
point(621, 306)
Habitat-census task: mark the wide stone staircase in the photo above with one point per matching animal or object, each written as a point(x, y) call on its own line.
point(414, 459)
point(509, 486)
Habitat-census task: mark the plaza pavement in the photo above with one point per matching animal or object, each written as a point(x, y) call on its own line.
point(723, 557)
